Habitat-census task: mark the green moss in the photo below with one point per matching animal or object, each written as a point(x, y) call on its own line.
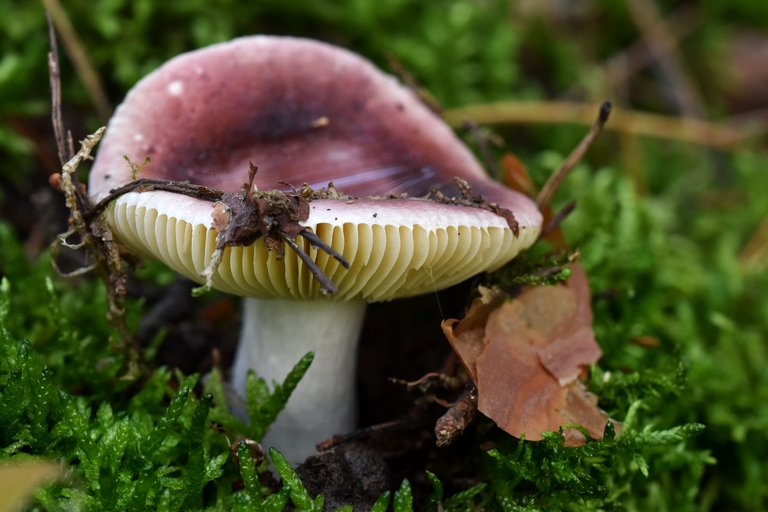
point(144, 445)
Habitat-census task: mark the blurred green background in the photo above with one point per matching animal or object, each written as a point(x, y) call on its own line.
point(673, 231)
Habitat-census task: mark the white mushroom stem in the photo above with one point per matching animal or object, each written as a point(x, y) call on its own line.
point(275, 335)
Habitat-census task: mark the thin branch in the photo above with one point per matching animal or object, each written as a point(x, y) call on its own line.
point(632, 122)
point(147, 185)
point(558, 219)
point(387, 427)
point(318, 242)
point(576, 155)
point(59, 132)
point(72, 194)
point(620, 67)
point(482, 141)
point(326, 285)
point(432, 382)
point(79, 57)
point(97, 240)
point(663, 46)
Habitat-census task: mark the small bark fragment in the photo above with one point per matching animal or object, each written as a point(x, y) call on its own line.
point(451, 425)
point(468, 198)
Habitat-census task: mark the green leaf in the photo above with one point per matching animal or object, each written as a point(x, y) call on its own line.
point(171, 415)
point(275, 502)
point(462, 500)
point(299, 494)
point(403, 500)
point(263, 407)
point(248, 471)
point(194, 469)
point(641, 464)
point(214, 467)
point(382, 503)
point(437, 487)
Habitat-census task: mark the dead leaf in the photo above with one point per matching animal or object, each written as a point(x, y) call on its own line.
point(526, 356)
point(572, 343)
point(515, 175)
point(471, 330)
point(472, 200)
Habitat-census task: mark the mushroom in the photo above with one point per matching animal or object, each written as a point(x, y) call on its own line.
point(303, 112)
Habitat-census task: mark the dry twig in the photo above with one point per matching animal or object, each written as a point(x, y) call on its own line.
point(663, 46)
point(63, 138)
point(619, 68)
point(92, 235)
point(451, 425)
point(387, 427)
point(631, 122)
point(79, 56)
point(754, 255)
point(576, 155)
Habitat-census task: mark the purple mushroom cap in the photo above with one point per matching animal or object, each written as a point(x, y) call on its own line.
point(302, 111)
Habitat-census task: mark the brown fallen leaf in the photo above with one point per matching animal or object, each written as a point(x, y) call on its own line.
point(515, 176)
point(526, 356)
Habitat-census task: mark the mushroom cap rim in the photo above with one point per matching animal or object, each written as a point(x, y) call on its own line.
point(427, 213)
point(400, 247)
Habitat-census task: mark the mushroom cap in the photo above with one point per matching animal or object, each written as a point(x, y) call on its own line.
point(303, 112)
point(395, 247)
